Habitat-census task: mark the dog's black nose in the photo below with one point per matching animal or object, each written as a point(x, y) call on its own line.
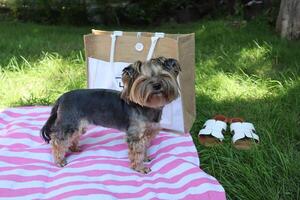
point(156, 86)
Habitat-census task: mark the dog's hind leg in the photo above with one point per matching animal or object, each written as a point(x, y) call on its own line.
point(75, 142)
point(76, 135)
point(59, 150)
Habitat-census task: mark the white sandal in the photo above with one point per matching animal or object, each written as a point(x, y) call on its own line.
point(243, 134)
point(213, 130)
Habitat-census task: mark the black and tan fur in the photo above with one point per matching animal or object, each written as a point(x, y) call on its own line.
point(148, 87)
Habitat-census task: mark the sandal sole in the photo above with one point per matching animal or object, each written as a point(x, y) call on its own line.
point(244, 144)
point(209, 141)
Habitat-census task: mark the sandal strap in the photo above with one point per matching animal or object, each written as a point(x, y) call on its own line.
point(243, 130)
point(221, 118)
point(214, 128)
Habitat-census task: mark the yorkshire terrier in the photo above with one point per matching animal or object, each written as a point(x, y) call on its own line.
point(136, 110)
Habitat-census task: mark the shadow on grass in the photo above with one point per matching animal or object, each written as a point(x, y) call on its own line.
point(252, 49)
point(26, 41)
point(273, 165)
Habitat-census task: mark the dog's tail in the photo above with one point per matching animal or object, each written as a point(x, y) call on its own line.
point(47, 128)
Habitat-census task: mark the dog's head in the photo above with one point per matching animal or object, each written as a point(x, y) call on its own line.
point(152, 83)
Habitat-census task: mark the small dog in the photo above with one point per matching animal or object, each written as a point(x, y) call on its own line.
point(137, 110)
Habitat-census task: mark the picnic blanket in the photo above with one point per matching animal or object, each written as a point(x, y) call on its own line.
point(101, 170)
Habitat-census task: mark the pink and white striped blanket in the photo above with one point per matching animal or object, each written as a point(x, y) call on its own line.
point(101, 170)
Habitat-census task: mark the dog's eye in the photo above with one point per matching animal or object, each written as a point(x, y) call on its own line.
point(176, 71)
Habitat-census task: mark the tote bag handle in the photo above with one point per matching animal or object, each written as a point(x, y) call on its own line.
point(154, 40)
point(116, 34)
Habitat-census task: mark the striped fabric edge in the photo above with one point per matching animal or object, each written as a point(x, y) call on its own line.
point(174, 175)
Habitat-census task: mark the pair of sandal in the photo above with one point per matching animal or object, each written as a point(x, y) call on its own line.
point(243, 133)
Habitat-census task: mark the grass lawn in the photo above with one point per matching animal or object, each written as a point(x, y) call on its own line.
point(245, 71)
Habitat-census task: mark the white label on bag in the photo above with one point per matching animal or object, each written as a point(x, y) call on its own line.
point(104, 75)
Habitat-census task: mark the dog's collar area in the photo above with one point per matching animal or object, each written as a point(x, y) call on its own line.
point(154, 108)
point(131, 103)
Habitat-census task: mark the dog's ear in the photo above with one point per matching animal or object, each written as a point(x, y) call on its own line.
point(128, 75)
point(128, 72)
point(172, 65)
point(132, 70)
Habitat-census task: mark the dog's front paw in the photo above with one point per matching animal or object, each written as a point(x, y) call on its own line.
point(75, 149)
point(61, 163)
point(143, 170)
point(147, 159)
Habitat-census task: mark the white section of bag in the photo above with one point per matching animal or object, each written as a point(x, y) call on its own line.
point(214, 127)
point(102, 75)
point(243, 130)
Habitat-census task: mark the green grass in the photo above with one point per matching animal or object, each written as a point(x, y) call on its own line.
point(245, 71)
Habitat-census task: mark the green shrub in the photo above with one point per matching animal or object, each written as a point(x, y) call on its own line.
point(122, 12)
point(49, 12)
